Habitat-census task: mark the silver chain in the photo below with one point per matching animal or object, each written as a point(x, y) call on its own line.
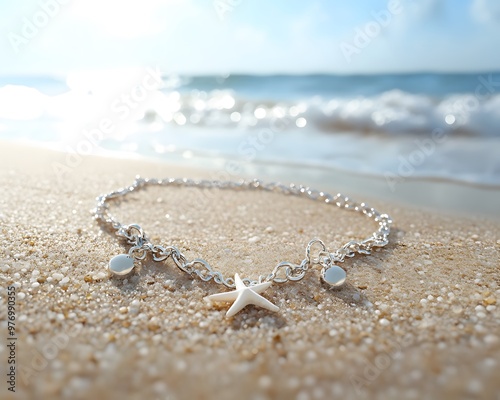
point(316, 252)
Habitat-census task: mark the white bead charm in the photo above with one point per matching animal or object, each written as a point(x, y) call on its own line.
point(121, 264)
point(334, 276)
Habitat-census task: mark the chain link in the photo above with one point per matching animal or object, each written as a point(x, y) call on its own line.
point(316, 251)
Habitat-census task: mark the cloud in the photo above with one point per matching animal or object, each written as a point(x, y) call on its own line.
point(247, 35)
point(424, 9)
point(486, 10)
point(125, 19)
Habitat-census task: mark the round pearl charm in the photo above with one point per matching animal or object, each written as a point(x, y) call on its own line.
point(334, 276)
point(121, 264)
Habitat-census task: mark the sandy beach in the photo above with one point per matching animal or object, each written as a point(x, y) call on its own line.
point(418, 319)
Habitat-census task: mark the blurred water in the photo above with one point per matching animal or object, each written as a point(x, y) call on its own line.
point(393, 126)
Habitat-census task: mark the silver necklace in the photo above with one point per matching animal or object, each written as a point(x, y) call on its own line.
point(246, 291)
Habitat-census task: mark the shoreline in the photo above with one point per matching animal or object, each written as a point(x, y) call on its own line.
point(432, 194)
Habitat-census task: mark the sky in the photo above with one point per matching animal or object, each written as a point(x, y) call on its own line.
point(250, 36)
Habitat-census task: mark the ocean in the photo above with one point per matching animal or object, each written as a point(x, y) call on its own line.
point(395, 127)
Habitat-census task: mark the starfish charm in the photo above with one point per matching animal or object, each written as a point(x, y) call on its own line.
point(244, 295)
